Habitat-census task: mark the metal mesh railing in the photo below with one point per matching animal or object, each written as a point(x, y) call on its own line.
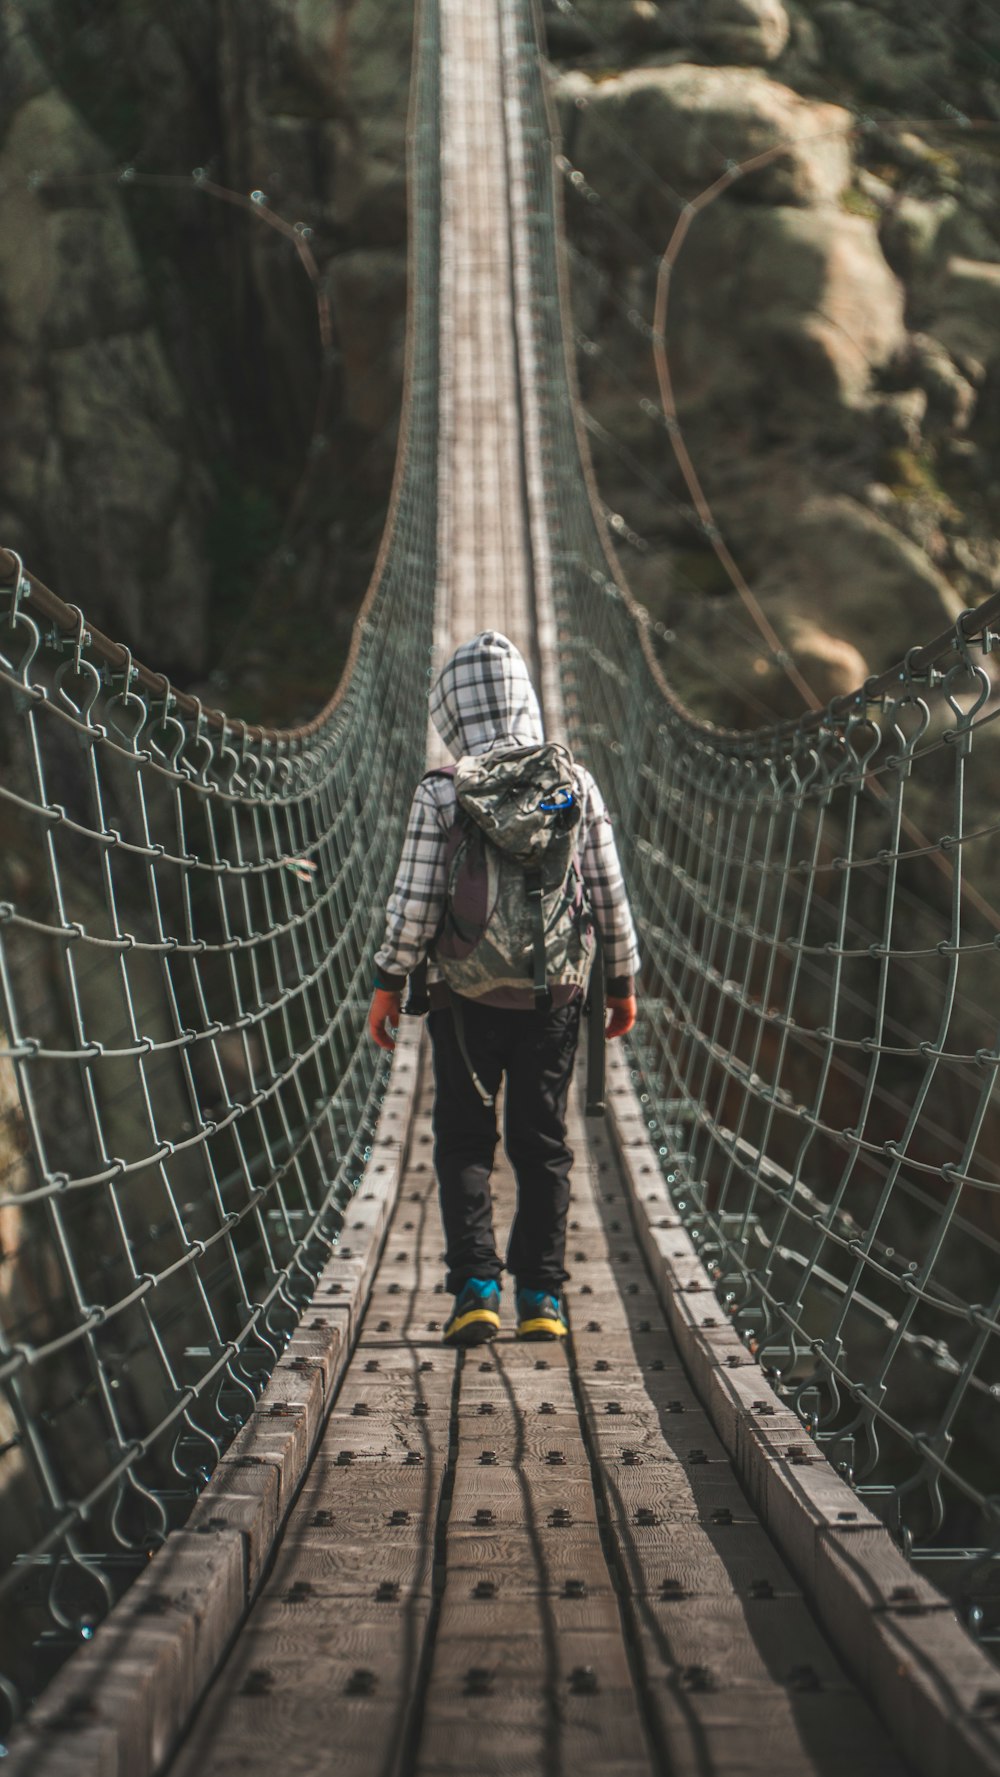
point(188, 909)
point(817, 1047)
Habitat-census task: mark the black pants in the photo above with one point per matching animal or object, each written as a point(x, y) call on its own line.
point(536, 1052)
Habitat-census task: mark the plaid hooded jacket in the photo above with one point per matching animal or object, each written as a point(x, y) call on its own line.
point(483, 700)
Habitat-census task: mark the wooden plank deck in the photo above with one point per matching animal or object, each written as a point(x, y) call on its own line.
point(485, 577)
point(527, 1558)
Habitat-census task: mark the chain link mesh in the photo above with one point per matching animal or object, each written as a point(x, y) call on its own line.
point(187, 1091)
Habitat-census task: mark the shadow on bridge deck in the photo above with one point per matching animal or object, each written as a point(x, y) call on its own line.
point(528, 1559)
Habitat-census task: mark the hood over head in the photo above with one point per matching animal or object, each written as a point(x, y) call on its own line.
point(483, 698)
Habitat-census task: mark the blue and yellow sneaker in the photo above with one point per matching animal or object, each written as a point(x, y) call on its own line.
point(539, 1316)
point(476, 1314)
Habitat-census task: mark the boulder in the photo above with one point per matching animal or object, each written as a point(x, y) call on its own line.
point(23, 74)
point(117, 424)
point(97, 279)
point(724, 671)
point(878, 592)
point(821, 292)
point(691, 123)
point(92, 452)
point(910, 232)
point(830, 665)
point(603, 25)
point(140, 73)
point(951, 397)
point(900, 418)
point(919, 233)
point(311, 97)
point(966, 309)
point(47, 138)
point(146, 336)
point(566, 33)
point(368, 289)
point(846, 593)
point(884, 56)
point(754, 31)
point(785, 308)
point(803, 54)
point(647, 26)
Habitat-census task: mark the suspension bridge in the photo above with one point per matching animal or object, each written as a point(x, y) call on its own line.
point(252, 1511)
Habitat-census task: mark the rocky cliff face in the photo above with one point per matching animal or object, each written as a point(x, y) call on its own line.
point(832, 325)
point(832, 322)
point(160, 350)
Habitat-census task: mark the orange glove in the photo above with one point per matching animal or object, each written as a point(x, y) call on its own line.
point(384, 1010)
point(621, 1017)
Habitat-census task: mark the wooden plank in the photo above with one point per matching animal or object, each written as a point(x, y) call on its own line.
point(747, 1732)
point(250, 1504)
point(335, 1642)
point(75, 1751)
point(694, 1560)
point(169, 1630)
point(346, 1719)
point(942, 1707)
point(698, 1573)
point(708, 1632)
point(529, 1669)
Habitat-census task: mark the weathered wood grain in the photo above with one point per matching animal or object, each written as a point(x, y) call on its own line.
point(335, 1642)
point(697, 1574)
point(929, 1691)
point(170, 1629)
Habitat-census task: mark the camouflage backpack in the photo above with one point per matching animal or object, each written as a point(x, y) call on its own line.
point(516, 912)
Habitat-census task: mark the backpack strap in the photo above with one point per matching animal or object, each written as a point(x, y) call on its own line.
point(596, 1046)
point(543, 993)
point(458, 1016)
point(418, 1000)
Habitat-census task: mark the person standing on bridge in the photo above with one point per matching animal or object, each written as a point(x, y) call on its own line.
point(505, 928)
